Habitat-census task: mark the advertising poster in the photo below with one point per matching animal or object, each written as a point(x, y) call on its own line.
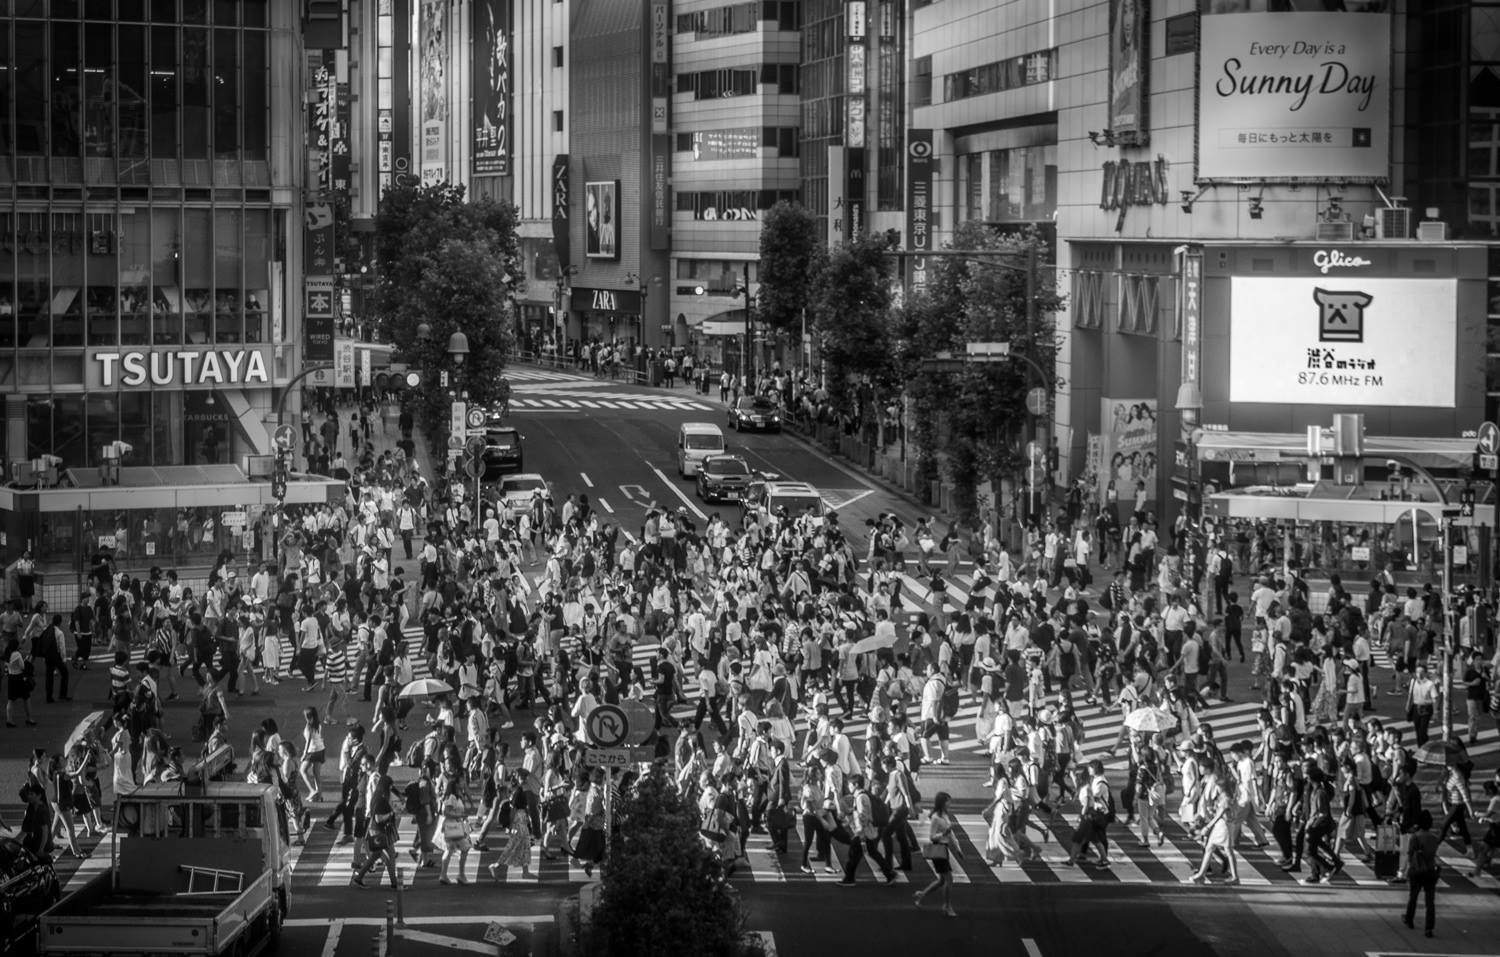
point(317, 320)
point(918, 207)
point(1285, 93)
point(493, 26)
point(1129, 69)
point(1343, 340)
point(1128, 450)
point(432, 44)
point(603, 219)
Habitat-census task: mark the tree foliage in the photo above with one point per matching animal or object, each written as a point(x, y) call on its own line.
point(449, 263)
point(663, 891)
point(851, 297)
point(790, 256)
point(980, 413)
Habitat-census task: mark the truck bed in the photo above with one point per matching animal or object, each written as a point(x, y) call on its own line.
point(98, 919)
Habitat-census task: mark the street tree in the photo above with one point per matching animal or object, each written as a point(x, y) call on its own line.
point(662, 889)
point(975, 419)
point(448, 264)
point(790, 257)
point(851, 297)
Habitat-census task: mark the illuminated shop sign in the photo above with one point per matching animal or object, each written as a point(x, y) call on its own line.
point(183, 367)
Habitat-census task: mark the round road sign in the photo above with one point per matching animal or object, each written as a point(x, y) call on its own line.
point(606, 726)
point(455, 443)
point(413, 379)
point(286, 436)
point(473, 466)
point(1489, 438)
point(475, 445)
point(476, 418)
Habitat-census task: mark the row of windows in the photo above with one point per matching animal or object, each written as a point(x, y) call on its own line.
point(223, 13)
point(104, 90)
point(1002, 75)
point(738, 81)
point(740, 18)
point(717, 275)
point(743, 142)
point(137, 276)
point(732, 204)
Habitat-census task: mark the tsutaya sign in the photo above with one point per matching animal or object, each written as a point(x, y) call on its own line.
point(183, 367)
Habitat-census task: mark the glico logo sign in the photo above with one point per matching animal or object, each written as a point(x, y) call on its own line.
point(1329, 259)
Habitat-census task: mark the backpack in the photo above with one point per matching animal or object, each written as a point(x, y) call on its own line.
point(1205, 655)
point(412, 797)
point(950, 702)
point(1109, 811)
point(1419, 862)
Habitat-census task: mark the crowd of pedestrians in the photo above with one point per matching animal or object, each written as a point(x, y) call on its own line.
point(799, 683)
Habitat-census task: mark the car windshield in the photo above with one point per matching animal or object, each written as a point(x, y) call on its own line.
point(503, 440)
point(726, 467)
point(757, 403)
point(794, 504)
point(521, 486)
point(704, 441)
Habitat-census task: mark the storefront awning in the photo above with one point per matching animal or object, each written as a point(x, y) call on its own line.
point(1429, 453)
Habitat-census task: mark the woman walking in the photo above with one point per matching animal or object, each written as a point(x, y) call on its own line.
point(314, 753)
point(381, 833)
point(1217, 806)
point(455, 830)
point(941, 848)
point(517, 852)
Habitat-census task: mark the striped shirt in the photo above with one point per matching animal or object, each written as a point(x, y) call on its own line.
point(337, 664)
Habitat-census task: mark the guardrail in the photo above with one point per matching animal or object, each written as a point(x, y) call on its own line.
point(616, 372)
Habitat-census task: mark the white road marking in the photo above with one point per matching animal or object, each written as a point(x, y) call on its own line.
point(605, 505)
point(586, 480)
point(331, 945)
point(444, 941)
point(678, 492)
point(527, 919)
point(1032, 950)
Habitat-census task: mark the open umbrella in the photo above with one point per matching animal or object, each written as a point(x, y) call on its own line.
point(1439, 752)
point(89, 729)
point(874, 643)
point(426, 688)
point(1151, 720)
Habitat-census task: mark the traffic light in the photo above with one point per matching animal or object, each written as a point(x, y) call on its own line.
point(1466, 503)
point(279, 476)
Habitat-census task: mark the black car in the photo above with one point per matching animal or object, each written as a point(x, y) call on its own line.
point(722, 477)
point(751, 412)
point(502, 451)
point(28, 886)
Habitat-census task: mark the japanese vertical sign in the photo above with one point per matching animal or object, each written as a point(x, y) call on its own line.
point(343, 364)
point(317, 320)
point(492, 31)
point(918, 207)
point(660, 43)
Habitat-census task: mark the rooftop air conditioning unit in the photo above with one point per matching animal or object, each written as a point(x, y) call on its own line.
point(1335, 232)
point(1431, 229)
point(1393, 222)
point(21, 473)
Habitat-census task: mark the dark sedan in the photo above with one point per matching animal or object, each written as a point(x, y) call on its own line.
point(502, 452)
point(723, 478)
point(755, 412)
point(28, 886)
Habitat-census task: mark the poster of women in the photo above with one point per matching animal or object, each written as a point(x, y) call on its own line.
point(1128, 429)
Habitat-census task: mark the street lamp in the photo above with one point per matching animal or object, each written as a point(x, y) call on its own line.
point(458, 348)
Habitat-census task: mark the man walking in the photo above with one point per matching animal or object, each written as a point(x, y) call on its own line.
point(1421, 870)
point(863, 835)
point(48, 646)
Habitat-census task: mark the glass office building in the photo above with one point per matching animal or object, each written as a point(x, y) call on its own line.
point(147, 203)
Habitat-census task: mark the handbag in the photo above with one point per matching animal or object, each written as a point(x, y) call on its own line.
point(935, 852)
point(556, 808)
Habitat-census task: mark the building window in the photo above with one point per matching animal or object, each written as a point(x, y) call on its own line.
point(557, 121)
point(557, 56)
point(1002, 186)
point(723, 21)
point(921, 81)
point(1002, 75)
point(1182, 34)
point(743, 142)
point(730, 204)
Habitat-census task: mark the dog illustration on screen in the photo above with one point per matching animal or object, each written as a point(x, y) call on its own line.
point(1341, 315)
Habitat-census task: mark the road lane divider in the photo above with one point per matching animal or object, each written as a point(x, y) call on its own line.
point(691, 505)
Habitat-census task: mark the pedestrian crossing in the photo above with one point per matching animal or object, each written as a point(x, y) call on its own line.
point(519, 375)
point(523, 403)
point(323, 863)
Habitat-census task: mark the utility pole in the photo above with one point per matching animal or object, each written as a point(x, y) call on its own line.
point(749, 363)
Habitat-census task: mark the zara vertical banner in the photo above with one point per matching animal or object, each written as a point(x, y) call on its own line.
point(432, 48)
point(918, 207)
point(1129, 70)
point(494, 24)
point(561, 197)
point(1284, 95)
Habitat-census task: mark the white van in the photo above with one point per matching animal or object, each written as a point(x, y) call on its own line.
point(696, 441)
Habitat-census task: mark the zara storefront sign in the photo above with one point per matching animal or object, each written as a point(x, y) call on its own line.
point(182, 367)
point(1329, 259)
